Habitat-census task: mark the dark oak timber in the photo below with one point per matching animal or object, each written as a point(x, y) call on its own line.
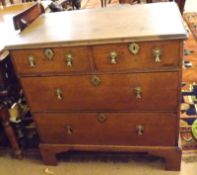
point(113, 85)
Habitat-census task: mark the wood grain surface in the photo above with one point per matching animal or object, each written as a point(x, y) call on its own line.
point(159, 21)
point(116, 92)
point(99, 104)
point(117, 129)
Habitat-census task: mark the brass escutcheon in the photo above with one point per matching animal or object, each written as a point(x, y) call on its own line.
point(95, 80)
point(134, 48)
point(101, 118)
point(49, 54)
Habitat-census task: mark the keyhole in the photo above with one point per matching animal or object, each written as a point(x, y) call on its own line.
point(134, 48)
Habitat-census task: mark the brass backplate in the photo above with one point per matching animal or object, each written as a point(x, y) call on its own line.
point(134, 48)
point(101, 118)
point(95, 80)
point(49, 54)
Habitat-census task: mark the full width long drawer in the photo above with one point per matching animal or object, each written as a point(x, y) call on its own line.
point(112, 92)
point(158, 129)
point(142, 55)
point(55, 60)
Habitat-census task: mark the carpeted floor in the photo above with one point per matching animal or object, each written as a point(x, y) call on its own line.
point(189, 90)
point(89, 165)
point(189, 74)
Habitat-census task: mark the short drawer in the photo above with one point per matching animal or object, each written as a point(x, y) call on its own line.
point(148, 129)
point(117, 57)
point(55, 60)
point(110, 92)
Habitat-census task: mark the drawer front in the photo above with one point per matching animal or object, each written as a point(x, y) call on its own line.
point(117, 57)
point(60, 60)
point(112, 92)
point(108, 129)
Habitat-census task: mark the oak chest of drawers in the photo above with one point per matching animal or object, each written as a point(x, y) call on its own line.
point(105, 85)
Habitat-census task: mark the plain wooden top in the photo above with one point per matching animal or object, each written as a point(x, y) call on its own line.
point(147, 22)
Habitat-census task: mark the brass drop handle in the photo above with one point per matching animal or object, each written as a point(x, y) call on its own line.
point(69, 129)
point(59, 94)
point(138, 92)
point(140, 129)
point(157, 55)
point(113, 57)
point(31, 61)
point(69, 60)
